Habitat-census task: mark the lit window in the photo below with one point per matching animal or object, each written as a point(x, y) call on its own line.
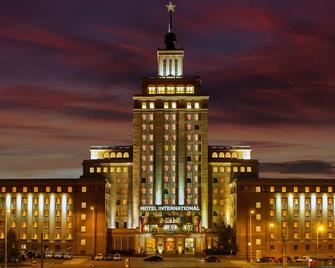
point(98, 169)
point(296, 235)
point(170, 90)
point(105, 169)
point(306, 189)
point(272, 189)
point(152, 105)
point(284, 213)
point(258, 204)
point(272, 201)
point(189, 105)
point(3, 189)
point(83, 204)
point(174, 105)
point(296, 224)
point(215, 169)
point(317, 189)
point(307, 224)
point(126, 155)
point(196, 105)
point(258, 189)
point(35, 189)
point(83, 189)
point(235, 169)
point(160, 90)
point(228, 155)
point(283, 189)
point(83, 229)
point(189, 89)
point(91, 169)
point(14, 189)
point(248, 169)
point(258, 241)
point(57, 237)
point(83, 217)
point(83, 242)
point(47, 189)
point(69, 189)
point(272, 213)
point(166, 105)
point(258, 217)
point(144, 105)
point(307, 235)
point(25, 189)
point(242, 169)
point(214, 155)
point(59, 189)
point(180, 90)
point(295, 189)
point(113, 155)
point(330, 189)
point(330, 235)
point(284, 224)
point(151, 90)
point(70, 201)
point(258, 229)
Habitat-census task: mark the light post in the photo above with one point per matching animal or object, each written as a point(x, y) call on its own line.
point(319, 229)
point(6, 238)
point(93, 231)
point(251, 212)
point(271, 225)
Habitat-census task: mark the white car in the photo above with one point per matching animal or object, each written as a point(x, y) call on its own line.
point(67, 256)
point(303, 259)
point(99, 257)
point(58, 255)
point(49, 255)
point(117, 257)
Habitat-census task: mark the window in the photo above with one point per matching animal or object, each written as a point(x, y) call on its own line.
point(296, 235)
point(59, 189)
point(144, 105)
point(35, 189)
point(271, 201)
point(258, 229)
point(189, 89)
point(330, 189)
point(83, 204)
point(307, 189)
point(248, 169)
point(83, 242)
point(151, 90)
point(69, 189)
point(98, 169)
point(295, 224)
point(83, 189)
point(91, 169)
point(3, 189)
point(83, 217)
point(258, 241)
point(258, 204)
point(189, 105)
point(295, 189)
point(214, 155)
point(173, 105)
point(272, 189)
point(258, 216)
point(83, 229)
point(307, 236)
point(196, 105)
point(258, 189)
point(284, 224)
point(25, 189)
point(152, 105)
point(14, 189)
point(283, 189)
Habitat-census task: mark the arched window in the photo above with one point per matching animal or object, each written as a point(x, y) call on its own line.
point(214, 155)
point(113, 154)
point(221, 155)
point(119, 155)
point(228, 155)
point(126, 155)
point(234, 155)
point(106, 155)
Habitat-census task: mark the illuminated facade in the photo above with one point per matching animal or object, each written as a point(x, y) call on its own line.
point(170, 190)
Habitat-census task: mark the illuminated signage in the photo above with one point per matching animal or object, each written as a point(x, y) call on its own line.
point(169, 208)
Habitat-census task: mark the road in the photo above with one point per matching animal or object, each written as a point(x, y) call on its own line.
point(168, 262)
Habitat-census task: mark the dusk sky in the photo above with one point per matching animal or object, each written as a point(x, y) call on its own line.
point(68, 70)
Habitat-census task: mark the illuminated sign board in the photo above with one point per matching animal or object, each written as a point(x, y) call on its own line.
point(169, 208)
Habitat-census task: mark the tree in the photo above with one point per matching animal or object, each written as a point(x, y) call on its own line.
point(226, 242)
point(12, 246)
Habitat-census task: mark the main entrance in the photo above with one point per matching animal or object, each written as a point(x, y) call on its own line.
point(189, 246)
point(170, 244)
point(150, 245)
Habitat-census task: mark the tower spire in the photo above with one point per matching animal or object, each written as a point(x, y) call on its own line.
point(170, 37)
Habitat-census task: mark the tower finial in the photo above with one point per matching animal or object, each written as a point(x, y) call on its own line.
point(170, 8)
point(170, 37)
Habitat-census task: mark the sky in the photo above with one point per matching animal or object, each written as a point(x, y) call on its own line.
point(68, 70)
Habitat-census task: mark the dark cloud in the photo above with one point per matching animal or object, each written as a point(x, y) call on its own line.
point(299, 167)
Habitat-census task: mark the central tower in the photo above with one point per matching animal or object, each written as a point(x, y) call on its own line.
point(170, 146)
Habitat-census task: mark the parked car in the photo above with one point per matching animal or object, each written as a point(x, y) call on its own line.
point(280, 259)
point(265, 259)
point(58, 255)
point(117, 257)
point(49, 255)
point(303, 259)
point(99, 257)
point(108, 257)
point(67, 256)
point(210, 259)
point(153, 258)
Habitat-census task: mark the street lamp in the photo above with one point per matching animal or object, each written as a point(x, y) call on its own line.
point(251, 212)
point(271, 225)
point(93, 232)
point(6, 238)
point(319, 229)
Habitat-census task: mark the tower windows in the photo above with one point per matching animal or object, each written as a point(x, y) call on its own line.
point(144, 105)
point(176, 67)
point(164, 67)
point(170, 66)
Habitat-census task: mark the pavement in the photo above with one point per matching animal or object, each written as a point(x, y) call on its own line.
point(168, 262)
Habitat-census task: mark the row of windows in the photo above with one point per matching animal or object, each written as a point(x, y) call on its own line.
point(35, 224)
point(179, 89)
point(36, 236)
point(296, 201)
point(108, 169)
point(294, 189)
point(224, 155)
point(171, 105)
point(46, 189)
point(116, 155)
point(36, 201)
point(229, 169)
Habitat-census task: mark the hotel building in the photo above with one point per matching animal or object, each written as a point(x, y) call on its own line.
point(169, 191)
